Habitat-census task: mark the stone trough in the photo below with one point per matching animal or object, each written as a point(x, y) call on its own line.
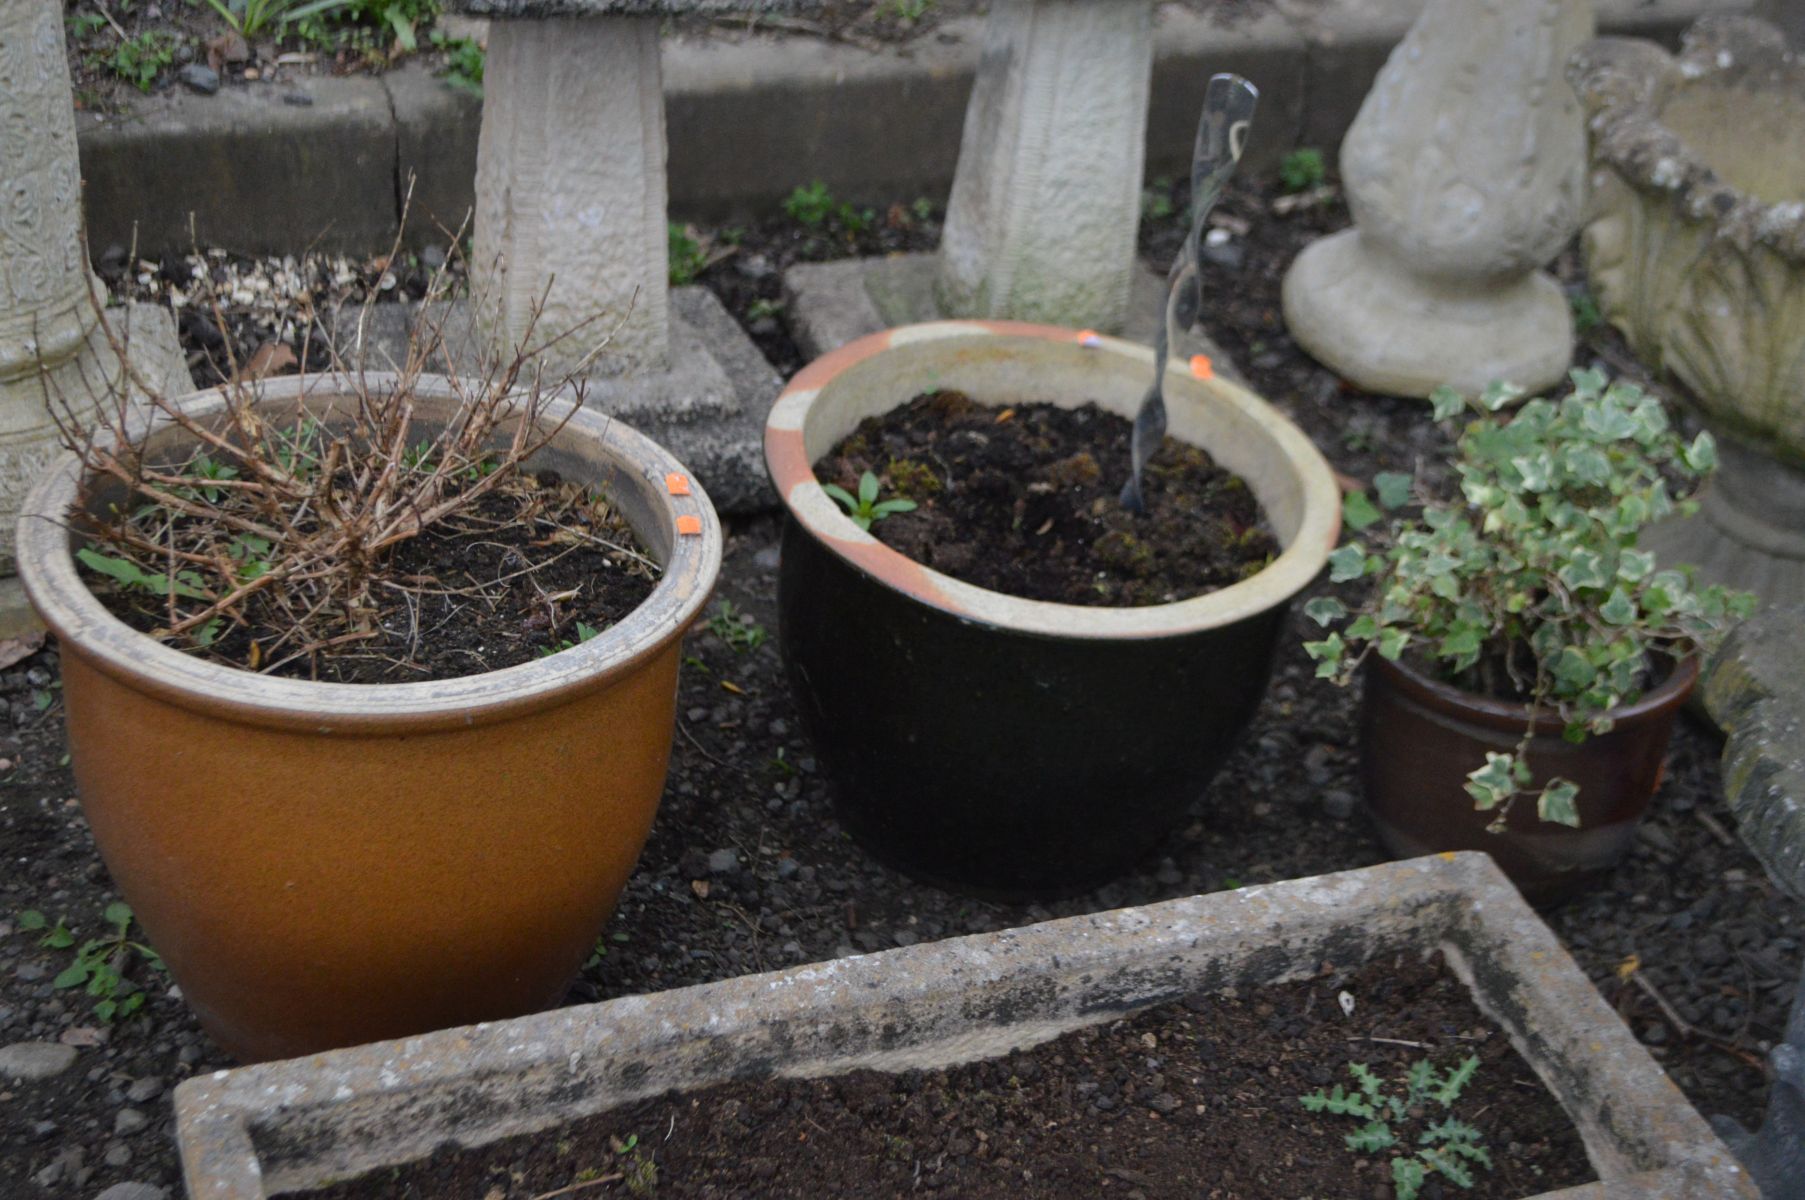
point(292, 1126)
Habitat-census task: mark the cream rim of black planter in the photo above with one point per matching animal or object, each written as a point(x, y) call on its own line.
point(1005, 362)
point(690, 563)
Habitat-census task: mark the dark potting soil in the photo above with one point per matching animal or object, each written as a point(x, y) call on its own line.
point(1198, 1098)
point(496, 586)
point(1026, 500)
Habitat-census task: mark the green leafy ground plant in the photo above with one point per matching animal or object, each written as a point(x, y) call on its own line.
point(101, 964)
point(1449, 1147)
point(1303, 170)
point(1529, 585)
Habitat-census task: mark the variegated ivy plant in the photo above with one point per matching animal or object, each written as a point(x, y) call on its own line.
point(1530, 585)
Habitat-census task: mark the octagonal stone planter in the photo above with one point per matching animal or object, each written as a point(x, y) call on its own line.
point(292, 1126)
point(1696, 251)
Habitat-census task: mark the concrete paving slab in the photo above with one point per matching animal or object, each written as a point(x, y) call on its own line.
point(290, 1126)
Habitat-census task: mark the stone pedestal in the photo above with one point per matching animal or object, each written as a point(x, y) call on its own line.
point(50, 340)
point(571, 224)
point(1696, 251)
point(1046, 203)
point(570, 192)
point(1465, 172)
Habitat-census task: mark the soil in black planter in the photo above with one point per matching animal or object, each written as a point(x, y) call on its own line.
point(1189, 1100)
point(1026, 501)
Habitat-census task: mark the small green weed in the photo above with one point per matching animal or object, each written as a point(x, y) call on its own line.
point(687, 257)
point(138, 59)
point(1449, 1146)
point(100, 963)
point(1156, 201)
point(1303, 170)
point(464, 62)
point(762, 308)
point(866, 510)
point(910, 11)
point(735, 627)
point(814, 207)
point(186, 584)
point(1586, 316)
point(253, 17)
point(584, 633)
point(638, 1170)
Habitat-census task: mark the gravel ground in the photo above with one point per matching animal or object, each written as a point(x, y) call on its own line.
point(747, 869)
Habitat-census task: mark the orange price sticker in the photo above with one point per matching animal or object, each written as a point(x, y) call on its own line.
point(1089, 339)
point(676, 485)
point(689, 526)
point(1202, 367)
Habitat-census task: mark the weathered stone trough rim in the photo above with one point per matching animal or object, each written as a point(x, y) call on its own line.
point(935, 1003)
point(1624, 83)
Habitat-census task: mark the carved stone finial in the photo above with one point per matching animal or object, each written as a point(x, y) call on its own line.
point(1465, 171)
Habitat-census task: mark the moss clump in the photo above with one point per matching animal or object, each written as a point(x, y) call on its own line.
point(912, 479)
point(1125, 553)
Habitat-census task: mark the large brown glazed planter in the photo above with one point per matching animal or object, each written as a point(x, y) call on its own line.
point(330, 864)
point(1010, 746)
point(1419, 738)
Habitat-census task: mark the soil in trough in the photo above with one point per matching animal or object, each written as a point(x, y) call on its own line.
point(1025, 500)
point(1198, 1098)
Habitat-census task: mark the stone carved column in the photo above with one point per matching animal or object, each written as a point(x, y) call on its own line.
point(1045, 206)
point(45, 313)
point(570, 188)
point(1465, 172)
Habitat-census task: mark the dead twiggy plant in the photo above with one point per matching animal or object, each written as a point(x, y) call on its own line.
point(271, 537)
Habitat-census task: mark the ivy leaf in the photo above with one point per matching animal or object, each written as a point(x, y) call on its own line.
point(1392, 642)
point(1349, 562)
point(1556, 803)
point(1492, 784)
point(1394, 488)
point(1619, 609)
point(1447, 403)
point(1324, 609)
point(1358, 511)
point(1701, 455)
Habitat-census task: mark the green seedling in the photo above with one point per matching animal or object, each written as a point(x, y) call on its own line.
point(1303, 170)
point(814, 206)
point(866, 510)
point(1449, 1147)
point(638, 1171)
point(687, 258)
point(186, 584)
point(584, 633)
point(138, 59)
point(464, 62)
point(736, 627)
point(1586, 316)
point(910, 11)
point(250, 18)
point(100, 963)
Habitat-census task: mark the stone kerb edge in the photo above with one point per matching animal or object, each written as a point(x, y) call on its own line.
point(293, 1124)
point(747, 123)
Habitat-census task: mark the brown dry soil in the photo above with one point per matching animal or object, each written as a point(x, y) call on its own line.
point(1025, 500)
point(493, 587)
point(1191, 1100)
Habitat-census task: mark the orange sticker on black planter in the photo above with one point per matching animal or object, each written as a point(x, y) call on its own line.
point(676, 485)
point(689, 526)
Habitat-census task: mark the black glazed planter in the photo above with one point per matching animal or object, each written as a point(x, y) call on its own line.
point(1007, 746)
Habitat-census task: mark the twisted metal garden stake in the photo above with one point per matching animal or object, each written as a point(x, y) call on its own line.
point(1228, 108)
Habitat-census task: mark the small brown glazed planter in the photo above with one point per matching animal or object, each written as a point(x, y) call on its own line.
point(1011, 746)
point(1419, 738)
point(330, 864)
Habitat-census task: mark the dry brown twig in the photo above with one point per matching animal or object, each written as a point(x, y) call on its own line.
point(286, 524)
